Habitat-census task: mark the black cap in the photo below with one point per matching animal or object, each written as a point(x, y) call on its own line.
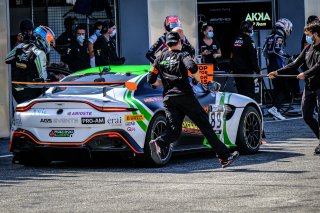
point(26, 25)
point(172, 38)
point(312, 18)
point(106, 25)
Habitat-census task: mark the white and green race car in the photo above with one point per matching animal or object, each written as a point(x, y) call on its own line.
point(96, 121)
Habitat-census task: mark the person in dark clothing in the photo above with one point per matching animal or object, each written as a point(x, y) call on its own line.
point(105, 49)
point(179, 100)
point(185, 47)
point(310, 56)
point(274, 52)
point(26, 29)
point(65, 39)
point(170, 22)
point(78, 57)
point(310, 19)
point(29, 61)
point(209, 46)
point(244, 59)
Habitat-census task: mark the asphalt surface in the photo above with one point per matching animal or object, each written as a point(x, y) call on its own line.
point(282, 177)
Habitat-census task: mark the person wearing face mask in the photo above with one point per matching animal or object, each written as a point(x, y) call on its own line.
point(310, 56)
point(105, 49)
point(276, 57)
point(244, 59)
point(77, 56)
point(65, 39)
point(209, 46)
point(92, 39)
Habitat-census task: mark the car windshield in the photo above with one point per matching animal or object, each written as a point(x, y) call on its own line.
point(109, 77)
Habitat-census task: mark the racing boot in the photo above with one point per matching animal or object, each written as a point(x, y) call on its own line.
point(155, 152)
point(225, 162)
point(317, 150)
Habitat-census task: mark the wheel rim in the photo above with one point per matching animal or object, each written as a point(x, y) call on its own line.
point(158, 128)
point(252, 130)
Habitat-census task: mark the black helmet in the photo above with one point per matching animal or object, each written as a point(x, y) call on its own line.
point(106, 25)
point(312, 18)
point(246, 26)
point(26, 25)
point(71, 22)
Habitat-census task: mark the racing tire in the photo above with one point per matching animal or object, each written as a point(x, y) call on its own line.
point(249, 131)
point(157, 127)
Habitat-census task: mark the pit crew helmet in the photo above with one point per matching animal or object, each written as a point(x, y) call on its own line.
point(44, 38)
point(171, 22)
point(285, 25)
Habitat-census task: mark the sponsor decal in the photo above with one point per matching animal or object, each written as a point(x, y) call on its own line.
point(131, 129)
point(39, 111)
point(195, 131)
point(59, 120)
point(96, 120)
point(152, 99)
point(79, 113)
point(46, 120)
point(114, 120)
point(61, 133)
point(258, 19)
point(138, 117)
point(131, 123)
point(18, 122)
point(189, 125)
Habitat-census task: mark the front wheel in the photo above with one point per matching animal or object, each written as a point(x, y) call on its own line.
point(249, 131)
point(156, 128)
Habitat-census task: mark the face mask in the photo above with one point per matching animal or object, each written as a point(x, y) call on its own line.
point(309, 39)
point(113, 33)
point(80, 39)
point(98, 33)
point(210, 34)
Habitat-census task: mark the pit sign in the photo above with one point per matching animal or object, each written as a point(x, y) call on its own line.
point(204, 70)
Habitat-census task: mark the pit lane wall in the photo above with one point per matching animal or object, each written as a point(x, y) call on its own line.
point(4, 79)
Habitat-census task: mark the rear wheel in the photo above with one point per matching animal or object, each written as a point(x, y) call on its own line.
point(156, 128)
point(250, 131)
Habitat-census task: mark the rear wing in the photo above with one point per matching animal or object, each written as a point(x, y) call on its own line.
point(129, 85)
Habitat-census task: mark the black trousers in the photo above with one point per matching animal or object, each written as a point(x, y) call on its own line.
point(310, 100)
point(176, 108)
point(245, 86)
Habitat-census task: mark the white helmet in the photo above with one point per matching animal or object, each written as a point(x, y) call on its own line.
point(285, 25)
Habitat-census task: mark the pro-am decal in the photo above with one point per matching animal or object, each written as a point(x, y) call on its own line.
point(95, 120)
point(138, 117)
point(61, 133)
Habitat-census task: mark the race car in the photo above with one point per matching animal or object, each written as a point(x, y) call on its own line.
point(94, 121)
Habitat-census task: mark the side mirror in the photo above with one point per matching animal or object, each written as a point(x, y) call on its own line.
point(213, 86)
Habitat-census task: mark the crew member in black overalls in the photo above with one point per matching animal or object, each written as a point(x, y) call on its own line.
point(105, 49)
point(310, 56)
point(77, 56)
point(179, 100)
point(244, 59)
